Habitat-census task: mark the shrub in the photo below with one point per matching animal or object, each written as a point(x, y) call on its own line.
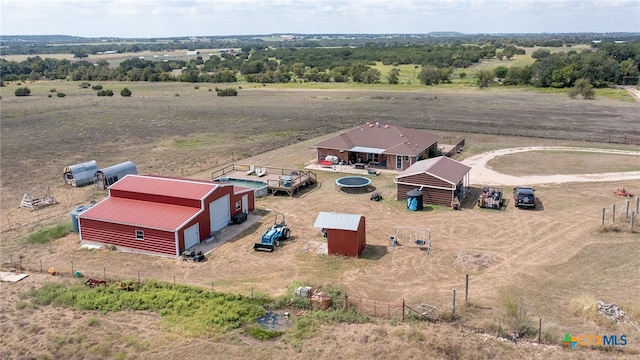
point(23, 91)
point(125, 92)
point(49, 95)
point(60, 94)
point(105, 93)
point(514, 313)
point(85, 85)
point(582, 87)
point(52, 90)
point(96, 87)
point(196, 87)
point(227, 92)
point(260, 333)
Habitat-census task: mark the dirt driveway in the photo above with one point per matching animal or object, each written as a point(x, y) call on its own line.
point(481, 174)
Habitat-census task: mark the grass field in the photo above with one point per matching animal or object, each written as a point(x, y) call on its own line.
point(553, 258)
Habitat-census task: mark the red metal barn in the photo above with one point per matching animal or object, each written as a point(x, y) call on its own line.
point(440, 179)
point(345, 233)
point(162, 216)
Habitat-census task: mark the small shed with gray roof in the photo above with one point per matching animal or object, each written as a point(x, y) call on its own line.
point(345, 233)
point(80, 174)
point(440, 180)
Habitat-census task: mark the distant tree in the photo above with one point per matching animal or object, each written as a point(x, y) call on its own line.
point(540, 53)
point(561, 78)
point(445, 74)
point(125, 92)
point(80, 55)
point(61, 94)
point(485, 78)
point(23, 91)
point(518, 76)
point(96, 87)
point(371, 76)
point(429, 75)
point(500, 72)
point(582, 87)
point(629, 68)
point(393, 76)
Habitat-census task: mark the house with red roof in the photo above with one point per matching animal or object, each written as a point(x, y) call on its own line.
point(160, 215)
point(381, 145)
point(439, 179)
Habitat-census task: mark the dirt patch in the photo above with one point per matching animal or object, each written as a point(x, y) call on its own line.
point(473, 262)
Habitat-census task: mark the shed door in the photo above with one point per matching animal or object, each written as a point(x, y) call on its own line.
point(191, 236)
point(219, 213)
point(245, 204)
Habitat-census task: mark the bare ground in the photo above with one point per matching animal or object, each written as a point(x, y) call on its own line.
point(551, 256)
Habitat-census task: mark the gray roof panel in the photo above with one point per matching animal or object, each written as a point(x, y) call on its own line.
point(330, 220)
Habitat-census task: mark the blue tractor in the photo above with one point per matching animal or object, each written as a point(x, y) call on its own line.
point(271, 238)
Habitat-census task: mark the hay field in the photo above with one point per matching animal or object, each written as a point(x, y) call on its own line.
point(550, 256)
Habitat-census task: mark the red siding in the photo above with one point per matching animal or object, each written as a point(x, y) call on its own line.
point(347, 242)
point(124, 236)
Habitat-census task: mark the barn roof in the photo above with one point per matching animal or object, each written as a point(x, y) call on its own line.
point(153, 185)
point(330, 220)
point(145, 214)
point(441, 167)
point(378, 138)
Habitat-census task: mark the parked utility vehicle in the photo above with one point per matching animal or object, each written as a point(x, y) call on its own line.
point(271, 238)
point(491, 198)
point(524, 197)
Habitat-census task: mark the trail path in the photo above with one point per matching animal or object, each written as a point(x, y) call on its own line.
point(481, 174)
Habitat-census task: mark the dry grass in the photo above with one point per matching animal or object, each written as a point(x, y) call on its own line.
point(563, 162)
point(553, 254)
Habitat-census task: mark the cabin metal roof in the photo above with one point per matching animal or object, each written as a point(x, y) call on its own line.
point(441, 167)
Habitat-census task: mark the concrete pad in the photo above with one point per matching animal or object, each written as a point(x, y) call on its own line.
point(227, 233)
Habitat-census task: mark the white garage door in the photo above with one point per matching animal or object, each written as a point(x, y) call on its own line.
point(219, 213)
point(191, 236)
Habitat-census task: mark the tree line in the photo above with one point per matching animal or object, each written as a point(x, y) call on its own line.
point(601, 65)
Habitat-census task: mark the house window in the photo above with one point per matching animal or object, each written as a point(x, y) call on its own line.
point(238, 205)
point(372, 158)
point(139, 235)
point(398, 162)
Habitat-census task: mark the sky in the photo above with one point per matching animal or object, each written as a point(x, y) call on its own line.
point(177, 18)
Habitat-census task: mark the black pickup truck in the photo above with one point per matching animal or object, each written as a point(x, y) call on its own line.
point(524, 197)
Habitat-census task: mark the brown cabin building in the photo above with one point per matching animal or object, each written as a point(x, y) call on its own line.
point(379, 145)
point(440, 179)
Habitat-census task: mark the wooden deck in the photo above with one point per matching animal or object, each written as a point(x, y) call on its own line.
point(278, 180)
